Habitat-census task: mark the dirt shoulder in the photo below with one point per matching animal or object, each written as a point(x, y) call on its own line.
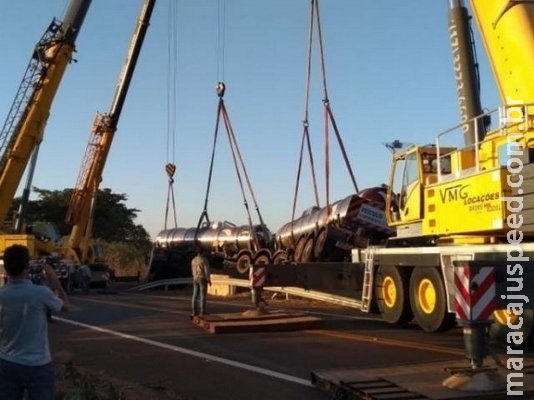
point(76, 382)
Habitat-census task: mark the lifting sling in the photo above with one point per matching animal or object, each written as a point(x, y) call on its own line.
point(239, 166)
point(328, 117)
point(170, 167)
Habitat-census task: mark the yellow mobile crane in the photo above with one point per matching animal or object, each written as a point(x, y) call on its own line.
point(468, 202)
point(24, 127)
point(82, 204)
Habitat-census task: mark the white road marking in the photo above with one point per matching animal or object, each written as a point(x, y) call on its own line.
point(189, 352)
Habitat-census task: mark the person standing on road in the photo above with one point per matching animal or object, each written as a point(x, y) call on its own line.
point(85, 276)
point(25, 359)
point(200, 270)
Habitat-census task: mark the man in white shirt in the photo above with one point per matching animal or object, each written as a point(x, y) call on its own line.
point(25, 360)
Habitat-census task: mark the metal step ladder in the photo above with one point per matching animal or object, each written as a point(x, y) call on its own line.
point(368, 281)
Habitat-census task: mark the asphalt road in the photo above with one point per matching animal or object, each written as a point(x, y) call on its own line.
point(148, 339)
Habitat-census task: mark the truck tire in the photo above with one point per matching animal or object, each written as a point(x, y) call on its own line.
point(320, 242)
point(262, 257)
point(429, 301)
point(498, 331)
point(280, 257)
point(299, 249)
point(307, 252)
point(391, 293)
point(243, 263)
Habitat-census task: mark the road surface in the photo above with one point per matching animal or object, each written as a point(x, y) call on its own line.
point(148, 339)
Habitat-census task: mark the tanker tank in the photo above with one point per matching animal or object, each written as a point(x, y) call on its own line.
point(329, 233)
point(229, 246)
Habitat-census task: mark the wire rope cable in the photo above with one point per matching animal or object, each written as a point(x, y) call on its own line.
point(220, 88)
point(172, 72)
point(237, 158)
point(221, 38)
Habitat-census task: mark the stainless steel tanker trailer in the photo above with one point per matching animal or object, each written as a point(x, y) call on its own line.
point(226, 243)
point(330, 233)
point(320, 234)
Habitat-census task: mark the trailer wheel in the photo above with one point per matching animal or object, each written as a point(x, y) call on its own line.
point(498, 331)
point(280, 257)
point(262, 257)
point(244, 261)
point(299, 248)
point(429, 301)
point(391, 289)
point(320, 242)
point(307, 251)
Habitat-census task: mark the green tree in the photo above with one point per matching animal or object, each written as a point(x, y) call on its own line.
point(113, 226)
point(126, 258)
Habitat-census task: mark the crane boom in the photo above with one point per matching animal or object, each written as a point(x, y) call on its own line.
point(466, 71)
point(81, 206)
point(24, 127)
point(506, 29)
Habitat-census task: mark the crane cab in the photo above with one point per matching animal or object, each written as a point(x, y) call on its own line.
point(412, 170)
point(441, 192)
point(458, 194)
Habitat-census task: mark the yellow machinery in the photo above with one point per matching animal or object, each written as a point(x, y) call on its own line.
point(24, 127)
point(81, 208)
point(469, 196)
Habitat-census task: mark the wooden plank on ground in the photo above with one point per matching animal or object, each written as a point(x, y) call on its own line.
point(260, 321)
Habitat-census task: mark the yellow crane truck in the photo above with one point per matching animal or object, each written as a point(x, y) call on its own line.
point(23, 129)
point(79, 247)
point(470, 195)
point(466, 199)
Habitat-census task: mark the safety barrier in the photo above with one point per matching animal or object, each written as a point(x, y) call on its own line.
point(295, 291)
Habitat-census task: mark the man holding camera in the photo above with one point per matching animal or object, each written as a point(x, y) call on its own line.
point(25, 359)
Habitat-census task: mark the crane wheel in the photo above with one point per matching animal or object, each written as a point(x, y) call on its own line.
point(429, 301)
point(307, 251)
point(244, 261)
point(521, 337)
point(391, 293)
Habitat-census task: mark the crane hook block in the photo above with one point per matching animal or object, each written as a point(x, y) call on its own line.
point(170, 169)
point(221, 87)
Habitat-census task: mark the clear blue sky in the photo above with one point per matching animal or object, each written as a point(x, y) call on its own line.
point(389, 74)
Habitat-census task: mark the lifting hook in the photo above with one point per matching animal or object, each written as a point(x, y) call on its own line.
point(221, 87)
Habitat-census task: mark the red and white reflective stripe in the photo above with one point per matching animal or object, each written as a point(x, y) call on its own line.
point(474, 298)
point(257, 277)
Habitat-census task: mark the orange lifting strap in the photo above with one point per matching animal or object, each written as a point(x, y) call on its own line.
point(328, 117)
point(239, 166)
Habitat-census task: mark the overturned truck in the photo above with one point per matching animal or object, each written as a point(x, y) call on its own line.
point(320, 234)
point(228, 245)
point(330, 233)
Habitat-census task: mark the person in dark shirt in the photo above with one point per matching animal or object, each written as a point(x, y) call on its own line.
point(200, 270)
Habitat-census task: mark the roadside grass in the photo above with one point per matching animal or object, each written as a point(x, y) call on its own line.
point(75, 384)
point(78, 383)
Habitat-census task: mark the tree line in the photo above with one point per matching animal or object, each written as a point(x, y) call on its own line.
point(126, 244)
